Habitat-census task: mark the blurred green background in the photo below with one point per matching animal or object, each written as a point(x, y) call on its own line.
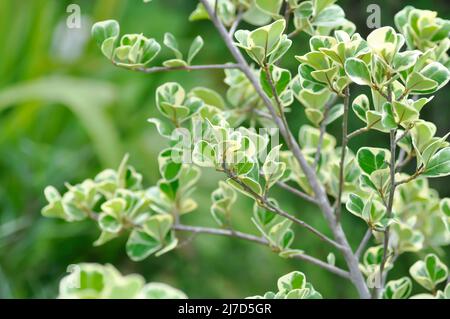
point(66, 113)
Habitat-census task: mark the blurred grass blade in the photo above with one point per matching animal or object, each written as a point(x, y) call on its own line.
point(87, 99)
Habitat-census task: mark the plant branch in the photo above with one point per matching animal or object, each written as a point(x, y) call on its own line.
point(222, 232)
point(358, 132)
point(235, 24)
point(363, 243)
point(388, 208)
point(261, 241)
point(269, 206)
point(405, 132)
point(297, 192)
point(157, 69)
point(355, 273)
point(410, 178)
point(262, 114)
point(343, 153)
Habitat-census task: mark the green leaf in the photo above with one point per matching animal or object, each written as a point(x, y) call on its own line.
point(175, 63)
point(156, 290)
point(208, 96)
point(388, 119)
point(163, 128)
point(429, 272)
point(431, 149)
point(272, 168)
point(326, 76)
point(358, 71)
point(106, 34)
point(383, 41)
point(94, 281)
point(331, 17)
point(169, 165)
point(371, 159)
point(404, 113)
point(405, 60)
point(199, 13)
point(158, 226)
point(271, 7)
point(250, 184)
point(418, 83)
point(169, 96)
point(136, 50)
point(445, 206)
point(334, 113)
point(171, 42)
point(109, 223)
point(398, 289)
point(172, 244)
point(355, 205)
point(262, 215)
point(317, 60)
point(291, 281)
point(281, 49)
point(280, 78)
point(204, 154)
point(360, 106)
point(437, 72)
point(244, 164)
point(439, 164)
point(331, 259)
point(319, 5)
point(140, 245)
point(195, 48)
point(280, 233)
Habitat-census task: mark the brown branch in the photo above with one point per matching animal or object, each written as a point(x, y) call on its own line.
point(261, 241)
point(157, 69)
point(297, 192)
point(269, 206)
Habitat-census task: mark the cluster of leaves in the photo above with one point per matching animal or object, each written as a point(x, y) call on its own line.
point(94, 281)
point(236, 152)
point(312, 17)
point(424, 30)
point(119, 204)
point(136, 50)
point(292, 286)
point(428, 273)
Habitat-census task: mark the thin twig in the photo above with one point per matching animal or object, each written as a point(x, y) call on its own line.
point(297, 192)
point(222, 232)
point(294, 33)
point(262, 114)
point(235, 24)
point(261, 241)
point(363, 243)
point(157, 69)
point(358, 132)
point(386, 96)
point(402, 163)
point(269, 206)
point(405, 132)
point(389, 207)
point(410, 178)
